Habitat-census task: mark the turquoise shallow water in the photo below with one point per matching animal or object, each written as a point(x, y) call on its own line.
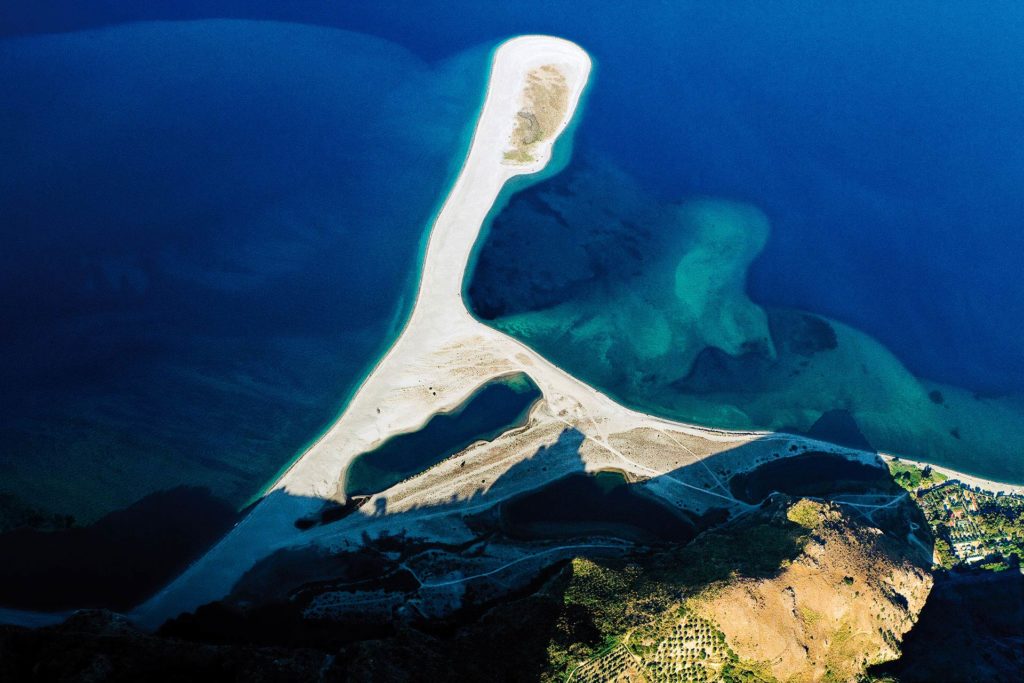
point(210, 229)
point(648, 300)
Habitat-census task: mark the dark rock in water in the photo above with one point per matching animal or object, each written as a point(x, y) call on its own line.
point(116, 562)
point(797, 336)
point(936, 396)
point(840, 427)
point(990, 394)
point(800, 333)
point(570, 254)
point(715, 371)
point(955, 433)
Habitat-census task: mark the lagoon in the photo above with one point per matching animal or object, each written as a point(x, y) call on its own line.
point(594, 504)
point(497, 407)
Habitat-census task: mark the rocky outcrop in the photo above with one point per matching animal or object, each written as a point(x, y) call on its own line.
point(792, 590)
point(845, 602)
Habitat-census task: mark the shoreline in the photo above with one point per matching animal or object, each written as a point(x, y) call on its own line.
point(996, 487)
point(440, 358)
point(403, 310)
point(430, 309)
point(438, 318)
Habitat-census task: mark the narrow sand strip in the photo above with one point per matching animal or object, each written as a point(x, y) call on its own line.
point(395, 398)
point(444, 354)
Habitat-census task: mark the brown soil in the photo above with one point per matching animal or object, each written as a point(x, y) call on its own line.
point(545, 101)
point(844, 602)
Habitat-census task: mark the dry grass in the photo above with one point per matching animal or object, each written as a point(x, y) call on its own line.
point(545, 102)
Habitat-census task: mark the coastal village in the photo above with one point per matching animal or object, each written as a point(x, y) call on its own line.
point(972, 526)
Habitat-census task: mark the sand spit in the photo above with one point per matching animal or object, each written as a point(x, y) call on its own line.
point(408, 385)
point(444, 355)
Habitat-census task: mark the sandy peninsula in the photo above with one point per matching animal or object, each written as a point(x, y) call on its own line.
point(408, 385)
point(443, 355)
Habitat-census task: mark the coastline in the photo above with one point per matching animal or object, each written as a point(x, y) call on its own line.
point(438, 318)
point(403, 309)
point(437, 310)
point(996, 487)
point(442, 356)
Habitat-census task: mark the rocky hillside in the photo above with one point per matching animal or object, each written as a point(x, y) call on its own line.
point(793, 590)
point(798, 591)
point(844, 602)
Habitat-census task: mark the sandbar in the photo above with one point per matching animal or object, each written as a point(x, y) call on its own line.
point(444, 354)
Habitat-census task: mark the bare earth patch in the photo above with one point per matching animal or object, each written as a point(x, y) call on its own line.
point(846, 601)
point(545, 102)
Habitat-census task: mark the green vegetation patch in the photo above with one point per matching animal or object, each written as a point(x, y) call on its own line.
point(519, 156)
point(637, 610)
point(809, 616)
point(911, 477)
point(806, 513)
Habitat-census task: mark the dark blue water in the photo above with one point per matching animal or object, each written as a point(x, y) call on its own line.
point(879, 139)
point(603, 503)
point(492, 410)
point(183, 253)
point(210, 230)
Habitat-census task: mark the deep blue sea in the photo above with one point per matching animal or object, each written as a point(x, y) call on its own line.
point(210, 229)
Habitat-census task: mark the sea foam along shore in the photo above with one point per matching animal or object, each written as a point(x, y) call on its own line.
point(387, 403)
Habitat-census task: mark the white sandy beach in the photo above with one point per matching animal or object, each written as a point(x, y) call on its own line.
point(970, 480)
point(441, 357)
point(401, 393)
